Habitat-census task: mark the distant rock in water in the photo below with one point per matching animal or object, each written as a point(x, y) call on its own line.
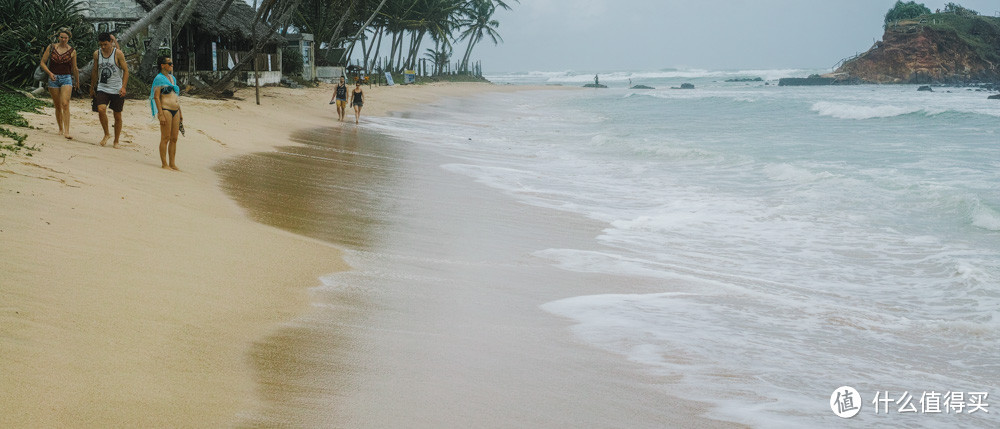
point(642, 87)
point(925, 88)
point(595, 85)
point(934, 48)
point(806, 81)
point(746, 79)
point(684, 86)
point(993, 97)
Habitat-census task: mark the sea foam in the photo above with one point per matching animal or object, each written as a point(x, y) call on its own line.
point(848, 111)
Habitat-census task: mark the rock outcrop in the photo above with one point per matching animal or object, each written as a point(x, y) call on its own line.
point(938, 48)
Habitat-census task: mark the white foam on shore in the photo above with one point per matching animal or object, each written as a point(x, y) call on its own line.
point(790, 254)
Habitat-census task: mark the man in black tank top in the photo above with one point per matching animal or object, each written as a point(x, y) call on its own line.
point(340, 96)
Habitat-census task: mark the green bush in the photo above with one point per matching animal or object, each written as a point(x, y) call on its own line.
point(11, 104)
point(959, 10)
point(908, 10)
point(27, 27)
point(291, 61)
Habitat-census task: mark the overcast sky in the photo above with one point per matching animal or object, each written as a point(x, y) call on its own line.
point(620, 35)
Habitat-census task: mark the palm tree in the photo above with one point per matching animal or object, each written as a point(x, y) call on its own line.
point(437, 18)
point(479, 23)
point(439, 57)
point(324, 19)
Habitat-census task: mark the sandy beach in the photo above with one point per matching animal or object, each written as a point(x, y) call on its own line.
point(131, 296)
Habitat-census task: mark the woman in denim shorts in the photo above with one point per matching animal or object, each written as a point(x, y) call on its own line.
point(59, 62)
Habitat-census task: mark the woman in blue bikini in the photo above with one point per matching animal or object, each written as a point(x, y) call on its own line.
point(164, 101)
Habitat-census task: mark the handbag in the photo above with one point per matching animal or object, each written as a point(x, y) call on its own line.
point(39, 74)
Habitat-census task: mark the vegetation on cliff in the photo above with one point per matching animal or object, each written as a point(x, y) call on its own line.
point(950, 46)
point(908, 10)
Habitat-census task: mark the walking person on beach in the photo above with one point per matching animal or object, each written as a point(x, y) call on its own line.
point(59, 62)
point(357, 100)
point(165, 101)
point(109, 91)
point(340, 97)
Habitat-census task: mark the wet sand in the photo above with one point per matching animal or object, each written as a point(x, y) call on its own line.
point(437, 324)
point(132, 296)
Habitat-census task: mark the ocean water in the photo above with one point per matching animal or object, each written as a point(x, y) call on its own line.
point(784, 241)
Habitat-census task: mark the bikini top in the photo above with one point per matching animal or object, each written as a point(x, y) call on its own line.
point(166, 86)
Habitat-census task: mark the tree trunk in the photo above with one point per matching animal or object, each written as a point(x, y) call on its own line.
point(418, 37)
point(377, 45)
point(368, 22)
point(464, 67)
point(340, 26)
point(132, 30)
point(399, 54)
point(146, 66)
point(224, 9)
point(183, 18)
point(364, 52)
point(278, 22)
point(392, 54)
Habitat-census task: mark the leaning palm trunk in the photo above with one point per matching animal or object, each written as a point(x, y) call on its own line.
point(377, 44)
point(139, 25)
point(468, 53)
point(396, 37)
point(281, 21)
point(340, 26)
point(183, 18)
point(418, 36)
point(146, 66)
point(367, 23)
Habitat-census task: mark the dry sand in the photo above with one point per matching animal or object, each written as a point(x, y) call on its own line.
point(130, 295)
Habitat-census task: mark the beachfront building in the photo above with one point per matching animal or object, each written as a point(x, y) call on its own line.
point(115, 16)
point(209, 47)
point(304, 44)
point(206, 47)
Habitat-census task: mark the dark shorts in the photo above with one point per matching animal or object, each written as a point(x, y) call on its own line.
point(114, 101)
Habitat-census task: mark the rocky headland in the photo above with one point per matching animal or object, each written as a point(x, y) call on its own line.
point(940, 48)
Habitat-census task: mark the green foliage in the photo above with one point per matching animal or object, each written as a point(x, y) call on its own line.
point(982, 33)
point(959, 10)
point(439, 58)
point(11, 104)
point(291, 61)
point(908, 10)
point(137, 88)
point(27, 27)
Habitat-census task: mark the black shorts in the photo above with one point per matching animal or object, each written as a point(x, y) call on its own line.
point(114, 101)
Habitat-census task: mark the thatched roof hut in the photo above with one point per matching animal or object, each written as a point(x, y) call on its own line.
point(236, 24)
point(232, 35)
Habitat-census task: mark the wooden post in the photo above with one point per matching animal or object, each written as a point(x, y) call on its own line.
point(256, 67)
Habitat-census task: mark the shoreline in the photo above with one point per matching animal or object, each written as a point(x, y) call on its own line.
point(133, 294)
point(438, 322)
